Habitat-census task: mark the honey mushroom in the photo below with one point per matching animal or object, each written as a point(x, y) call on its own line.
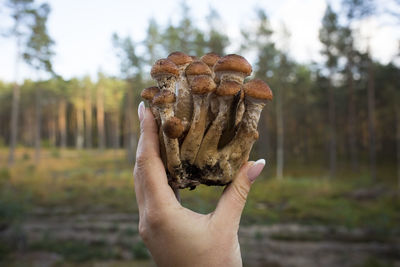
point(184, 102)
point(257, 93)
point(232, 68)
point(207, 117)
point(148, 94)
point(164, 101)
point(200, 86)
point(208, 153)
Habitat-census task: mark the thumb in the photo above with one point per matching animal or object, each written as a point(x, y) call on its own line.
point(233, 200)
point(148, 142)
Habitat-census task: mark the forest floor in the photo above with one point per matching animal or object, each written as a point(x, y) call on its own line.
point(86, 200)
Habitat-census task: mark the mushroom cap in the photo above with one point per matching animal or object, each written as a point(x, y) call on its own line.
point(228, 88)
point(149, 92)
point(233, 63)
point(202, 85)
point(164, 67)
point(173, 127)
point(198, 68)
point(210, 59)
point(164, 97)
point(179, 58)
point(258, 89)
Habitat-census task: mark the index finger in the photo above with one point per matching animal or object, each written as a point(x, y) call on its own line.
point(151, 183)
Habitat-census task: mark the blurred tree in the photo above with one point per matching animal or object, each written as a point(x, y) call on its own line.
point(217, 41)
point(329, 36)
point(77, 99)
point(357, 10)
point(132, 72)
point(184, 37)
point(38, 54)
point(88, 88)
point(20, 12)
point(100, 116)
point(152, 42)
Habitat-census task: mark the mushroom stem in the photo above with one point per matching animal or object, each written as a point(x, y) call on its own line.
point(171, 144)
point(184, 103)
point(191, 144)
point(208, 152)
point(257, 93)
point(239, 148)
point(165, 104)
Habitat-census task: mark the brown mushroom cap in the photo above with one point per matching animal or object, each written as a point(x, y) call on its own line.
point(179, 58)
point(233, 63)
point(150, 92)
point(202, 85)
point(258, 89)
point(164, 67)
point(164, 97)
point(228, 88)
point(210, 59)
point(173, 127)
point(197, 68)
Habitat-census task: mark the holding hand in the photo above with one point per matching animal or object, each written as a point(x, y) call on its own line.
point(174, 235)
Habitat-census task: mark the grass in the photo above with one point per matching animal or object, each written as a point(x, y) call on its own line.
point(84, 180)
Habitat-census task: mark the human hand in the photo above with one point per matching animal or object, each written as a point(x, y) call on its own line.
point(174, 235)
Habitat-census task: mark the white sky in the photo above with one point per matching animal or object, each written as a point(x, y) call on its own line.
point(82, 30)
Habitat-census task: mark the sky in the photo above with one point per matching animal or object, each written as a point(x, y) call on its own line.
point(82, 30)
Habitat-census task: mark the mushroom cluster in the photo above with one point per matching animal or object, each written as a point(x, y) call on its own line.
point(207, 116)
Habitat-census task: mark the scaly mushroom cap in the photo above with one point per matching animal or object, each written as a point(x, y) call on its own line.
point(163, 97)
point(179, 58)
point(150, 92)
point(210, 59)
point(164, 67)
point(258, 89)
point(202, 85)
point(228, 88)
point(234, 63)
point(197, 68)
point(173, 127)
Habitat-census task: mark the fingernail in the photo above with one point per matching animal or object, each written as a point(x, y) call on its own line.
point(141, 110)
point(255, 169)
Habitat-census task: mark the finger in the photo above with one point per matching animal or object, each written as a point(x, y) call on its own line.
point(233, 199)
point(151, 184)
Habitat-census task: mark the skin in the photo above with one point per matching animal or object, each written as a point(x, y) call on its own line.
point(177, 236)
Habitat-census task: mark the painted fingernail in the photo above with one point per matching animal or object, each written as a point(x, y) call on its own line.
point(255, 169)
point(141, 110)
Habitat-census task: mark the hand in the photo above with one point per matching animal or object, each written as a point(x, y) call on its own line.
point(174, 235)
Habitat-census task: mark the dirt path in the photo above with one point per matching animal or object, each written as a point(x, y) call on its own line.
point(275, 245)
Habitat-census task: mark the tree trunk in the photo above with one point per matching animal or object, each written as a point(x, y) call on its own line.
point(371, 120)
point(79, 127)
point(100, 117)
point(88, 117)
point(352, 116)
point(38, 122)
point(62, 123)
point(332, 132)
point(280, 136)
point(15, 107)
point(117, 132)
point(398, 143)
point(52, 122)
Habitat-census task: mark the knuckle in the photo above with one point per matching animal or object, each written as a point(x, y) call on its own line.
point(143, 231)
point(154, 220)
point(241, 191)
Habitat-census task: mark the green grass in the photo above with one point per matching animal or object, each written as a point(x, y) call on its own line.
point(85, 180)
